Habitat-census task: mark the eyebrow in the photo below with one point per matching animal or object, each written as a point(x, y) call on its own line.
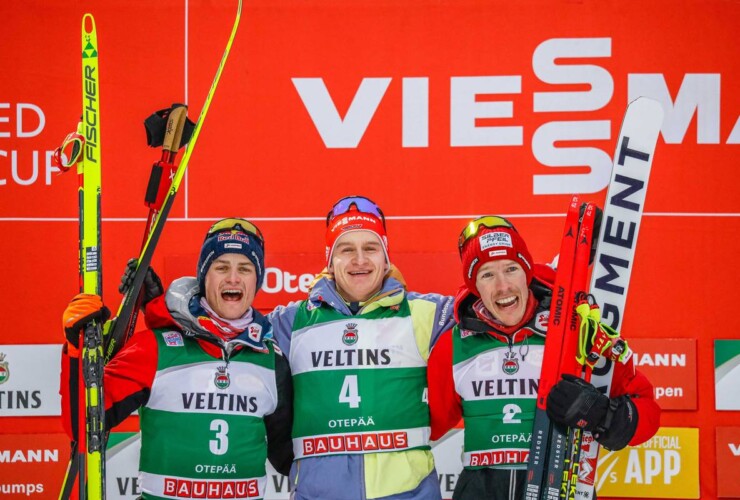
point(344, 244)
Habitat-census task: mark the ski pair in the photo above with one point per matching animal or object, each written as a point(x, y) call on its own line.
point(87, 457)
point(616, 247)
point(122, 327)
point(547, 473)
point(615, 252)
point(87, 462)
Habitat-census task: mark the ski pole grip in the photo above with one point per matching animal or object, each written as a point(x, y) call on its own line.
point(175, 126)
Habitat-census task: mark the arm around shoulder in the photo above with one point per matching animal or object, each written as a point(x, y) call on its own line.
point(279, 424)
point(445, 408)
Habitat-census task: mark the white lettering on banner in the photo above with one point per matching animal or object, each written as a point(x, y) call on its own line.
point(25, 178)
point(734, 449)
point(659, 359)
point(464, 110)
point(26, 171)
point(597, 78)
point(545, 152)
point(19, 129)
point(667, 462)
point(415, 114)
point(663, 443)
point(698, 95)
point(29, 456)
point(21, 489)
point(670, 392)
point(335, 131)
point(277, 280)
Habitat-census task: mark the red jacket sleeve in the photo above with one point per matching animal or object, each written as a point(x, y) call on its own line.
point(445, 407)
point(127, 382)
point(628, 381)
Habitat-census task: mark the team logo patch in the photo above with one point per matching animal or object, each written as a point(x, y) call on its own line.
point(233, 235)
point(349, 337)
point(541, 320)
point(173, 339)
point(4, 369)
point(510, 364)
point(466, 333)
point(221, 379)
point(495, 239)
point(255, 332)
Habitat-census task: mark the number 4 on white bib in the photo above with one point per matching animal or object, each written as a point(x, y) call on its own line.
point(349, 392)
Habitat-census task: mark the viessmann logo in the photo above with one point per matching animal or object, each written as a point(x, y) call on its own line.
point(698, 95)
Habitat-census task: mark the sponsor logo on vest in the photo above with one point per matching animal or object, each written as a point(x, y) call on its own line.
point(187, 488)
point(541, 320)
point(466, 333)
point(173, 339)
point(350, 334)
point(358, 357)
point(220, 402)
point(348, 443)
point(498, 457)
point(221, 379)
point(4, 369)
point(255, 331)
point(351, 422)
point(510, 365)
point(512, 438)
point(505, 387)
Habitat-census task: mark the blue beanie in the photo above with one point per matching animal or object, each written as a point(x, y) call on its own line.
point(231, 241)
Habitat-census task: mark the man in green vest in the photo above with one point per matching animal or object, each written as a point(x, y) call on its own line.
point(213, 390)
point(358, 349)
point(487, 369)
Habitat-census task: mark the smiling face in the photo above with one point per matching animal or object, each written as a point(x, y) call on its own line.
point(502, 285)
point(231, 283)
point(358, 264)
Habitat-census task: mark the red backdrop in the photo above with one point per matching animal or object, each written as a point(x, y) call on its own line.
point(455, 75)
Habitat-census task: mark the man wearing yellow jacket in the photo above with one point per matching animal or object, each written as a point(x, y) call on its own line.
point(358, 348)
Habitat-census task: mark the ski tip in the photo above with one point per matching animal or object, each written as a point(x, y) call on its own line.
point(648, 105)
point(88, 24)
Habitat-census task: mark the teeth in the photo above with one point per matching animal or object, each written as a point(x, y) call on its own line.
point(232, 291)
point(507, 301)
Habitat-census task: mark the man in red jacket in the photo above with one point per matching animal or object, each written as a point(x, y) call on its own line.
point(487, 368)
point(213, 390)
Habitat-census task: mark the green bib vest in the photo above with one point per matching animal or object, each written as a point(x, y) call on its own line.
point(360, 382)
point(498, 387)
point(202, 430)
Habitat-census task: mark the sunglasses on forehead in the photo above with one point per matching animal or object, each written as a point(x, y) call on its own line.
point(360, 203)
point(242, 225)
point(471, 230)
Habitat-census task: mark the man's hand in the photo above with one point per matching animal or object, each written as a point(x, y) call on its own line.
point(83, 309)
point(152, 285)
point(573, 402)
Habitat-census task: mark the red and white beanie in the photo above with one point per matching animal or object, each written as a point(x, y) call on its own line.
point(493, 244)
point(352, 221)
